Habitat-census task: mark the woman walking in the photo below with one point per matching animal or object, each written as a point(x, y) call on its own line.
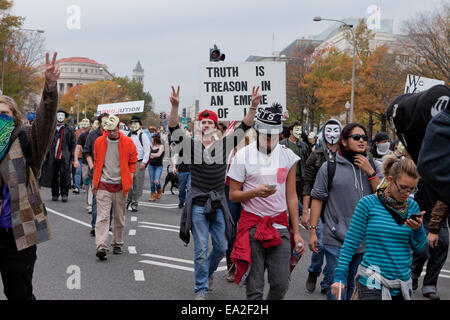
point(391, 224)
point(155, 167)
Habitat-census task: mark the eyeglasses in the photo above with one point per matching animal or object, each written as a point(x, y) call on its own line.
point(406, 190)
point(357, 137)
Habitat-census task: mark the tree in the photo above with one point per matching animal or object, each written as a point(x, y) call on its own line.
point(429, 37)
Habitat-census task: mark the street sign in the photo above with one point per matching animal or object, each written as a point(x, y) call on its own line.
point(226, 87)
point(121, 108)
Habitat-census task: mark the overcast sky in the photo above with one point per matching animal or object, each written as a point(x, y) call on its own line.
point(172, 37)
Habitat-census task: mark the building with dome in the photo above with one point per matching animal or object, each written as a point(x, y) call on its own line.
point(138, 73)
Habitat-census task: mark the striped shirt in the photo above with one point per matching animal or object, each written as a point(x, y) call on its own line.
point(388, 245)
point(208, 165)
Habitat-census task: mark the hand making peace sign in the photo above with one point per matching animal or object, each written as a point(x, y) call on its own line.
point(175, 97)
point(256, 97)
point(51, 70)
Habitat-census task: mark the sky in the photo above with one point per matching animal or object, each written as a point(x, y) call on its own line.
point(171, 38)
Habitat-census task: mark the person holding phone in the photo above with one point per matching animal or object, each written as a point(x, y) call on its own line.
point(391, 224)
point(263, 177)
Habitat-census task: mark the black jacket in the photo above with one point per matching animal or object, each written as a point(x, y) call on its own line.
point(304, 154)
point(313, 164)
point(67, 149)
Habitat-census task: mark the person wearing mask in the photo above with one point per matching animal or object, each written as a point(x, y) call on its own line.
point(326, 152)
point(353, 178)
point(390, 222)
point(379, 149)
point(300, 148)
point(206, 211)
point(85, 125)
point(142, 144)
point(263, 178)
point(155, 167)
point(56, 169)
point(114, 166)
point(24, 221)
point(88, 152)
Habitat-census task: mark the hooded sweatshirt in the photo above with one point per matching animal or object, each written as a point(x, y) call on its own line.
point(350, 184)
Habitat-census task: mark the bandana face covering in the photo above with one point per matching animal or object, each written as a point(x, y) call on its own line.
point(6, 128)
point(383, 148)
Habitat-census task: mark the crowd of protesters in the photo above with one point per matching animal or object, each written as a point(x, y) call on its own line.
point(376, 210)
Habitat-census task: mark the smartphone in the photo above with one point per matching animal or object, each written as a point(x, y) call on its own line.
point(272, 186)
point(415, 216)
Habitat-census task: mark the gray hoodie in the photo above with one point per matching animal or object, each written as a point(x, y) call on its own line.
point(350, 184)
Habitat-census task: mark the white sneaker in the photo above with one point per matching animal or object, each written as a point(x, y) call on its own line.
point(201, 295)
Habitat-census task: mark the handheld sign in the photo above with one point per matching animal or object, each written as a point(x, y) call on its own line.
point(416, 84)
point(226, 87)
point(121, 108)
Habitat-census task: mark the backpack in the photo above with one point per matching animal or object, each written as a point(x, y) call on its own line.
point(140, 137)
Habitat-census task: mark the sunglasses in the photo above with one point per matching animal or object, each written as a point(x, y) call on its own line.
point(357, 137)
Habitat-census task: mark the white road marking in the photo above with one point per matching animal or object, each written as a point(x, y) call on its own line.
point(157, 228)
point(132, 232)
point(159, 205)
point(132, 250)
point(167, 258)
point(167, 265)
point(70, 218)
point(139, 275)
point(160, 224)
point(134, 219)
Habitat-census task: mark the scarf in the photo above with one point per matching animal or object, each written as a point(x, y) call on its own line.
point(6, 128)
point(397, 209)
point(350, 155)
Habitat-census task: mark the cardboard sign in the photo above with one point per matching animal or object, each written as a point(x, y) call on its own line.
point(416, 84)
point(226, 87)
point(121, 108)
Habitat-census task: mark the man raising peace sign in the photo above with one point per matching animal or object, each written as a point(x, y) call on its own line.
point(23, 219)
point(206, 211)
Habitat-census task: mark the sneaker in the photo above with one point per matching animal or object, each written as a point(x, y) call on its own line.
point(64, 198)
point(201, 295)
point(230, 274)
point(89, 209)
point(311, 282)
point(180, 205)
point(117, 250)
point(54, 198)
point(76, 190)
point(432, 296)
point(101, 254)
point(93, 233)
point(323, 291)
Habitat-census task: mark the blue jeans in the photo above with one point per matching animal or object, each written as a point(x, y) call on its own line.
point(184, 185)
point(317, 258)
point(155, 175)
point(204, 264)
point(77, 184)
point(235, 210)
point(332, 256)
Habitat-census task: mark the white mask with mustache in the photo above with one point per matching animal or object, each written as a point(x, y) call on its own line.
point(60, 116)
point(332, 133)
point(297, 132)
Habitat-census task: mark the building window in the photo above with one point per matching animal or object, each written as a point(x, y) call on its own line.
point(71, 70)
point(86, 70)
point(79, 69)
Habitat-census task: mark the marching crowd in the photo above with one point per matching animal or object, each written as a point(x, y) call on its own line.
point(376, 209)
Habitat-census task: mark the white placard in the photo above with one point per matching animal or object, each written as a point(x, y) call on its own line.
point(121, 107)
point(226, 87)
point(416, 84)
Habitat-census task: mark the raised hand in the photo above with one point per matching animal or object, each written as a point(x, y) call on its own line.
point(51, 70)
point(175, 97)
point(256, 97)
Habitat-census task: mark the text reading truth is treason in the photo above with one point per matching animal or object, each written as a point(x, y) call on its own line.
point(226, 87)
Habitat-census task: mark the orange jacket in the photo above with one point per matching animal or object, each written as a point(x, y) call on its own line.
point(127, 157)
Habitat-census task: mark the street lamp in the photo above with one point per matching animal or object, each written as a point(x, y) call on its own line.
point(317, 18)
point(347, 107)
point(3, 50)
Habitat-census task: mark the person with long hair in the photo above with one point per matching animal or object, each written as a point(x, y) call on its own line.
point(155, 167)
point(391, 224)
point(353, 178)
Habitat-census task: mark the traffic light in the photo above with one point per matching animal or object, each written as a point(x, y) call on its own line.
point(165, 115)
point(161, 115)
point(214, 54)
point(184, 112)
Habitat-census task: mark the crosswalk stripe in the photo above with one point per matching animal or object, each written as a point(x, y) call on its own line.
point(160, 224)
point(168, 265)
point(158, 228)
